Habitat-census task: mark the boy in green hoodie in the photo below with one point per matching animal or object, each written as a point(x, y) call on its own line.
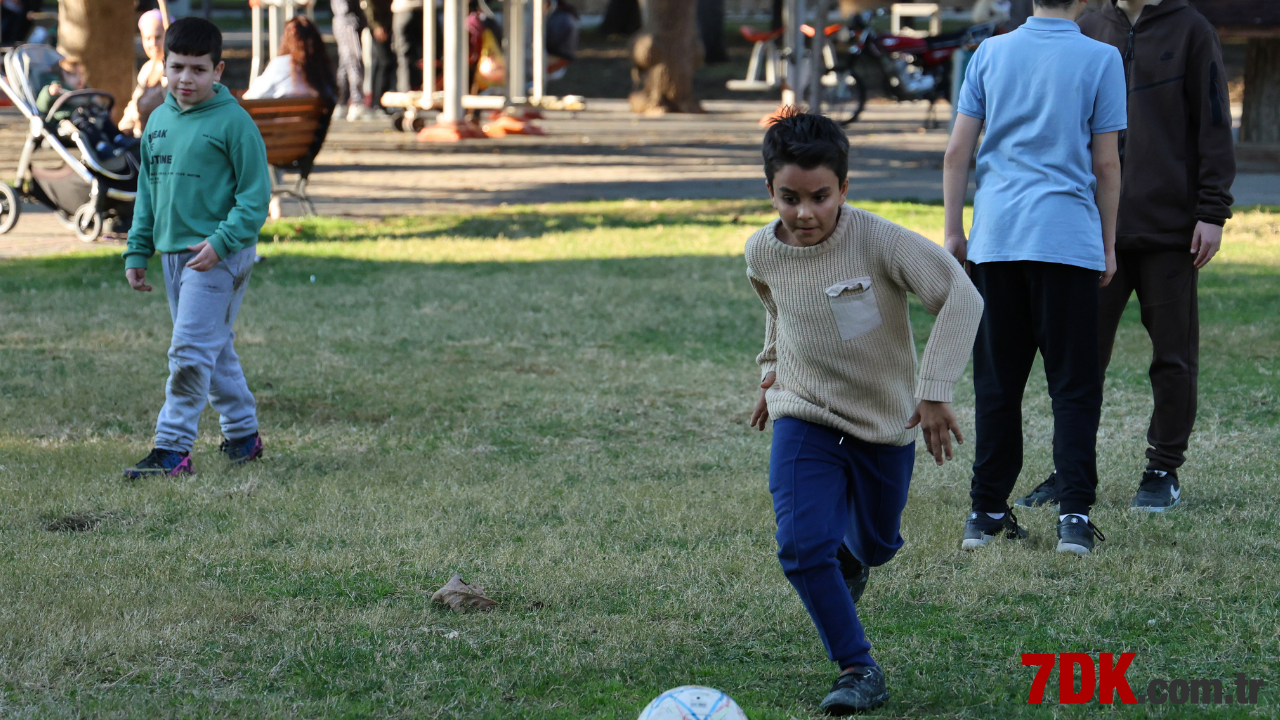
point(202, 198)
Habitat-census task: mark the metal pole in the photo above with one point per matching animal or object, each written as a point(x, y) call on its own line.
point(816, 68)
point(517, 43)
point(790, 46)
point(366, 56)
point(463, 65)
point(273, 30)
point(454, 56)
point(428, 52)
point(255, 67)
point(539, 49)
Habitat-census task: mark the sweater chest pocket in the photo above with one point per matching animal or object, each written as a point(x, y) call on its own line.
point(853, 302)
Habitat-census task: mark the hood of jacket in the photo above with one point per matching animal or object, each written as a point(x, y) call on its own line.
point(1150, 13)
point(221, 98)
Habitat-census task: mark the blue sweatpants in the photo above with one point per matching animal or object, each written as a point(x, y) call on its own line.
point(830, 488)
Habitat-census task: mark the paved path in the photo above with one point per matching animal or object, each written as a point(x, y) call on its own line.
point(368, 170)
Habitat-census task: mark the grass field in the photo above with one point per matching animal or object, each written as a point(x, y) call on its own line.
point(553, 402)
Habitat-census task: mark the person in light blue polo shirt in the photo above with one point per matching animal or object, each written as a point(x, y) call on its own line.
point(1052, 103)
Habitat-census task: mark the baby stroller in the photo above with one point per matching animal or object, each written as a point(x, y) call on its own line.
point(92, 190)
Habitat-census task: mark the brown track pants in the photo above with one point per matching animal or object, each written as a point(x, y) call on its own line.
point(1165, 283)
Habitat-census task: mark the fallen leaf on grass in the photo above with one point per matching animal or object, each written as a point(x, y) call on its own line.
point(460, 596)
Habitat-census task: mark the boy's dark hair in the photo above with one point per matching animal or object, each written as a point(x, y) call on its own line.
point(1054, 4)
point(807, 140)
point(195, 37)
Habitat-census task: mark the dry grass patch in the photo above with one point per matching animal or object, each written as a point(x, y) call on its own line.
point(561, 417)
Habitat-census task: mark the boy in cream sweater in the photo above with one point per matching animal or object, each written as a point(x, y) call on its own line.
point(839, 379)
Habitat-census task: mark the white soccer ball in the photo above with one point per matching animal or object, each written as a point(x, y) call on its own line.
point(692, 702)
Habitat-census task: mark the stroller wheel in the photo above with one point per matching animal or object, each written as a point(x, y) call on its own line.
point(10, 208)
point(88, 223)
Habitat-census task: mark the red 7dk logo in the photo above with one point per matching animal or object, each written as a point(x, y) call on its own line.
point(1107, 677)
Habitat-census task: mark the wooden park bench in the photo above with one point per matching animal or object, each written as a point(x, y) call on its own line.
point(294, 130)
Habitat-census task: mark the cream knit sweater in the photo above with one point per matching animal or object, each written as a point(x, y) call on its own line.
point(837, 331)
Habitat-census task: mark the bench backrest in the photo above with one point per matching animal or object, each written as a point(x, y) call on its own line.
point(290, 127)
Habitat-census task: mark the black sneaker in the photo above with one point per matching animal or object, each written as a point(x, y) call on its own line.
point(1076, 535)
point(855, 691)
point(1158, 492)
point(170, 463)
point(854, 572)
point(243, 450)
point(1046, 493)
point(980, 529)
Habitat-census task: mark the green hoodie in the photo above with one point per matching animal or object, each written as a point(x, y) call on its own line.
point(204, 177)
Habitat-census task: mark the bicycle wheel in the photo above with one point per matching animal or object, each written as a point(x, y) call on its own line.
point(843, 95)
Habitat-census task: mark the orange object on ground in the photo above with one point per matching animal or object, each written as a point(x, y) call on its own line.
point(505, 125)
point(450, 132)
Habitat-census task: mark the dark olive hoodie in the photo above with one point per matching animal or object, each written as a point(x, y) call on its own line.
point(1178, 156)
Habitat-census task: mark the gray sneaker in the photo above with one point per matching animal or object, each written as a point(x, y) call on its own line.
point(980, 529)
point(1046, 493)
point(1076, 535)
point(1158, 492)
point(854, 572)
point(861, 689)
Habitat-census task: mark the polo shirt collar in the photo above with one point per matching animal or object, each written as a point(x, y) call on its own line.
point(1051, 24)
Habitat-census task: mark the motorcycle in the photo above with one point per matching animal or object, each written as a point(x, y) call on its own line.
point(911, 68)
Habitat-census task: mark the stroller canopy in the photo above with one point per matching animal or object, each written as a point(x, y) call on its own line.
point(28, 68)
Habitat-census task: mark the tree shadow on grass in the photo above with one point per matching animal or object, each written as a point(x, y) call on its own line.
point(522, 222)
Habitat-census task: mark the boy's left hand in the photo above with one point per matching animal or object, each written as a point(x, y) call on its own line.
point(1205, 243)
point(938, 423)
point(206, 257)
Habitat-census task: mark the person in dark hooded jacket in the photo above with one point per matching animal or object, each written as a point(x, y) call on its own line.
point(1178, 166)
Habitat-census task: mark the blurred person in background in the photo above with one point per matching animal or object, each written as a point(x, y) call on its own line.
point(348, 21)
point(301, 69)
point(380, 17)
point(152, 86)
point(485, 62)
point(15, 20)
point(563, 23)
point(406, 39)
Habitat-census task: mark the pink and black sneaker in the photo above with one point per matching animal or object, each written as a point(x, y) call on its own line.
point(243, 450)
point(169, 463)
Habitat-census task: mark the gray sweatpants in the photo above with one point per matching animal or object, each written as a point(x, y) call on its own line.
point(202, 357)
point(347, 24)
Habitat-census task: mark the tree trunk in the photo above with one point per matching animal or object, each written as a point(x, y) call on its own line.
point(1261, 120)
point(621, 17)
point(664, 56)
point(99, 34)
point(711, 28)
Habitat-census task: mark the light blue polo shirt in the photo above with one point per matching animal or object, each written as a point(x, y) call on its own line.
point(1043, 91)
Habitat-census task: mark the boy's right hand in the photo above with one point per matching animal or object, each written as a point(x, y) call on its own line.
point(760, 416)
point(1110, 272)
point(137, 278)
point(958, 246)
